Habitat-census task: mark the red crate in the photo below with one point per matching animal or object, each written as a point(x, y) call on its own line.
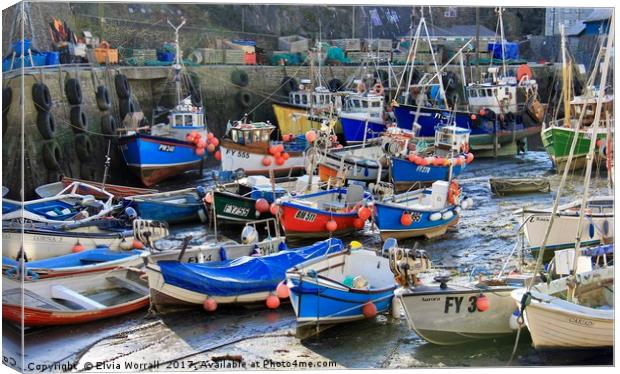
point(250, 58)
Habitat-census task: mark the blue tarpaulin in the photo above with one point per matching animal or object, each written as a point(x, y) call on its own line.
point(243, 275)
point(88, 257)
point(598, 251)
point(511, 50)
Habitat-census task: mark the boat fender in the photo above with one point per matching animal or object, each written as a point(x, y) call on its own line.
point(591, 230)
point(239, 78)
point(125, 107)
point(605, 227)
point(369, 309)
point(244, 98)
point(125, 245)
point(73, 91)
point(78, 119)
point(123, 89)
point(331, 226)
point(83, 147)
point(469, 158)
point(282, 291)
point(261, 205)
point(406, 219)
point(361, 87)
point(272, 302)
point(52, 155)
point(447, 215)
point(266, 161)
point(457, 209)
point(78, 247)
point(395, 308)
point(46, 125)
point(41, 97)
point(208, 199)
point(514, 320)
point(435, 216)
point(223, 256)
point(136, 244)
point(108, 125)
point(364, 213)
point(453, 192)
point(482, 303)
point(274, 208)
point(210, 305)
point(202, 215)
point(103, 98)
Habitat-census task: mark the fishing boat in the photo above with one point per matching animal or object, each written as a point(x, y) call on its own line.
point(426, 212)
point(117, 191)
point(243, 280)
point(321, 214)
point(360, 162)
point(247, 146)
point(598, 227)
point(248, 199)
point(86, 261)
point(67, 207)
point(73, 299)
point(362, 116)
point(511, 186)
point(340, 287)
point(447, 313)
point(415, 164)
point(173, 207)
point(177, 140)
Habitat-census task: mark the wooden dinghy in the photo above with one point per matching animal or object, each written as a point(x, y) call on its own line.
point(174, 284)
point(341, 287)
point(117, 191)
point(74, 299)
point(509, 186)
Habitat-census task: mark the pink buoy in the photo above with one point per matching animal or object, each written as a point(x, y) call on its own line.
point(273, 302)
point(215, 142)
point(262, 205)
point(364, 213)
point(266, 161)
point(210, 305)
point(218, 155)
point(282, 291)
point(369, 310)
point(406, 219)
point(199, 151)
point(358, 223)
point(482, 303)
point(331, 225)
point(136, 244)
point(78, 247)
point(311, 136)
point(210, 136)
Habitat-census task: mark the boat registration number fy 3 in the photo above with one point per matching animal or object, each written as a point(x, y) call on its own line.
point(305, 216)
point(455, 304)
point(240, 154)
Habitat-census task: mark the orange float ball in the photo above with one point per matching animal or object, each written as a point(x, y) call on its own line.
point(78, 247)
point(210, 305)
point(406, 219)
point(369, 309)
point(273, 302)
point(211, 148)
point(331, 225)
point(200, 151)
point(482, 303)
point(215, 142)
point(311, 136)
point(285, 156)
point(136, 244)
point(262, 205)
point(210, 136)
point(279, 148)
point(358, 223)
point(274, 208)
point(218, 155)
point(282, 291)
point(364, 213)
point(266, 161)
point(279, 161)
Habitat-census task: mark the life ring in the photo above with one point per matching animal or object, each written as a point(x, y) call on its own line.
point(453, 192)
point(361, 87)
point(524, 71)
point(378, 89)
point(103, 98)
point(244, 98)
point(83, 147)
point(78, 119)
point(108, 125)
point(239, 78)
point(46, 125)
point(73, 91)
point(41, 97)
point(465, 147)
point(123, 89)
point(52, 155)
point(125, 107)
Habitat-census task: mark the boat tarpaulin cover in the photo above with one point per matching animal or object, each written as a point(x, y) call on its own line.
point(88, 257)
point(598, 251)
point(243, 275)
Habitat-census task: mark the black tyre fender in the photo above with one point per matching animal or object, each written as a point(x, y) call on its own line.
point(5, 124)
point(123, 89)
point(289, 84)
point(83, 147)
point(126, 106)
point(244, 98)
point(78, 119)
point(528, 120)
point(239, 78)
point(7, 98)
point(52, 155)
point(103, 98)
point(73, 91)
point(87, 172)
point(108, 125)
point(490, 115)
point(335, 85)
point(41, 97)
point(46, 125)
point(450, 81)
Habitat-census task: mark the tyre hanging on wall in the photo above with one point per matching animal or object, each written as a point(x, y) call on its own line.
point(87, 172)
point(41, 97)
point(239, 78)
point(244, 98)
point(83, 147)
point(289, 84)
point(103, 98)
point(73, 91)
point(78, 119)
point(7, 98)
point(123, 89)
point(125, 107)
point(52, 155)
point(335, 85)
point(46, 125)
point(108, 125)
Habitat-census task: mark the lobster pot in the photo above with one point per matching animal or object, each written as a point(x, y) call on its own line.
point(399, 57)
point(348, 44)
point(293, 43)
point(356, 57)
point(379, 44)
point(142, 55)
point(212, 56)
point(234, 57)
point(439, 194)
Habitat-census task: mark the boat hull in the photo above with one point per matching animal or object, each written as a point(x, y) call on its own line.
point(154, 159)
point(305, 222)
point(353, 128)
point(388, 216)
point(406, 174)
point(558, 142)
point(503, 187)
point(295, 120)
point(252, 163)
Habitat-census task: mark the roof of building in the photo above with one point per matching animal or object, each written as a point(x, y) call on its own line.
point(599, 14)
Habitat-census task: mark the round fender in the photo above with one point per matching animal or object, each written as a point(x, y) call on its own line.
point(123, 89)
point(52, 155)
point(244, 98)
point(108, 125)
point(239, 78)
point(78, 119)
point(83, 147)
point(126, 106)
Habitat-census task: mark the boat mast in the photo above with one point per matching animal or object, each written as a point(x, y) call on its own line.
point(500, 10)
point(178, 62)
point(565, 79)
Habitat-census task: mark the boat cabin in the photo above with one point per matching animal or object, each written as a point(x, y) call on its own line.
point(498, 95)
point(251, 133)
point(370, 104)
point(590, 100)
point(182, 120)
point(451, 138)
point(320, 98)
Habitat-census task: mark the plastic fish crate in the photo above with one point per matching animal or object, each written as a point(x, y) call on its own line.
point(348, 44)
point(379, 44)
point(212, 56)
point(293, 43)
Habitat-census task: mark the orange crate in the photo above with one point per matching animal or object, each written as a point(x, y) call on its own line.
point(104, 51)
point(250, 58)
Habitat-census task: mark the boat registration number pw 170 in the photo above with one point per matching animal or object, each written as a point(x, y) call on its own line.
point(305, 216)
point(455, 303)
point(236, 211)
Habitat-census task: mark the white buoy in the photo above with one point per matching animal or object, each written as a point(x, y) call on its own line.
point(395, 308)
point(457, 210)
point(513, 320)
point(447, 215)
point(435, 216)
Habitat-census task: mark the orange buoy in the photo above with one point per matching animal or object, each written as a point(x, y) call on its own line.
point(369, 309)
point(524, 71)
point(211, 148)
point(482, 303)
point(273, 302)
point(208, 198)
point(411, 157)
point(262, 205)
point(473, 117)
point(136, 244)
point(201, 144)
point(218, 155)
point(199, 151)
point(279, 148)
point(406, 219)
point(285, 156)
point(282, 291)
point(274, 208)
point(210, 305)
point(358, 223)
point(438, 161)
point(210, 136)
point(78, 247)
point(331, 225)
point(272, 149)
point(266, 161)
point(215, 142)
point(470, 157)
point(482, 112)
point(280, 161)
point(364, 213)
point(447, 162)
point(311, 136)
point(422, 161)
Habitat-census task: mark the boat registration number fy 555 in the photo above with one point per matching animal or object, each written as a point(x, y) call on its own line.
point(236, 211)
point(240, 154)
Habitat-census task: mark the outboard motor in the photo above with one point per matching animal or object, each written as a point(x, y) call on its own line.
point(249, 235)
point(405, 264)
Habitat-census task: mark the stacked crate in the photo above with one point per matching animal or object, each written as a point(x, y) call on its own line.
point(212, 56)
point(347, 45)
point(234, 57)
point(142, 55)
point(293, 44)
point(383, 45)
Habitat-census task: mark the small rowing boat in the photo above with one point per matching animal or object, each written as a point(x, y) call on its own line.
point(509, 186)
point(117, 191)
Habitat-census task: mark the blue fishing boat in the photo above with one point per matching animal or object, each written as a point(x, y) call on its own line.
point(445, 160)
point(179, 206)
point(362, 117)
point(86, 261)
point(243, 280)
point(426, 212)
point(341, 287)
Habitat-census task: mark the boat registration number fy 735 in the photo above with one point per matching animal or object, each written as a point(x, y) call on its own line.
point(305, 216)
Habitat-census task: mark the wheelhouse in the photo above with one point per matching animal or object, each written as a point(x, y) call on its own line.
point(371, 104)
point(251, 133)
